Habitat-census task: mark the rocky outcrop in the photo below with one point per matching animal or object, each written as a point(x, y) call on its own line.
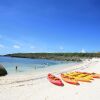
point(3, 71)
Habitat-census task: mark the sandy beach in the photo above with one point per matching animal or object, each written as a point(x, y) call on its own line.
point(37, 87)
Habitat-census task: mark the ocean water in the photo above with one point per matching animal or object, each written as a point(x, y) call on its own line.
point(28, 65)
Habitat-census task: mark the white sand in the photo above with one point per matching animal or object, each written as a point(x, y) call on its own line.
point(33, 87)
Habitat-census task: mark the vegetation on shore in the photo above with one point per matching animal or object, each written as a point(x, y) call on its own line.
point(56, 56)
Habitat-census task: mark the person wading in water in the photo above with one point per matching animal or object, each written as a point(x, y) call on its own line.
point(16, 68)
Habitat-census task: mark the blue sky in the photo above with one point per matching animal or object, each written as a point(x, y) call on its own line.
point(49, 26)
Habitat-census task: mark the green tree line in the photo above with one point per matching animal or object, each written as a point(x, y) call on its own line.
point(56, 56)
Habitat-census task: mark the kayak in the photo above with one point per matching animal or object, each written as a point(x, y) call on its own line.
point(89, 77)
point(80, 77)
point(94, 75)
point(69, 80)
point(74, 74)
point(55, 80)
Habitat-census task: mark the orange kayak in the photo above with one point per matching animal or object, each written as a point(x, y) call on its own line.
point(95, 75)
point(69, 80)
point(55, 80)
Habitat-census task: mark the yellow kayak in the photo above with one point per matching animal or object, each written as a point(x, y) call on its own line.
point(79, 78)
point(86, 76)
point(72, 74)
point(82, 79)
point(69, 80)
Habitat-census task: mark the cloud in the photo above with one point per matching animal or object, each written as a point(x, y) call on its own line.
point(32, 47)
point(83, 51)
point(1, 46)
point(16, 46)
point(61, 48)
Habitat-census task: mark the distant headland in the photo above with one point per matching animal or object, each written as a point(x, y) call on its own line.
point(56, 56)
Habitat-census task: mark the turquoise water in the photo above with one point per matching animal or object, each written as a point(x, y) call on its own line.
point(27, 65)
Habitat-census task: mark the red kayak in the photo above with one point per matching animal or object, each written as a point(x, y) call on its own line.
point(55, 80)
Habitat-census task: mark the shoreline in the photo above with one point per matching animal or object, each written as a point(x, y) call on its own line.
point(29, 87)
point(29, 76)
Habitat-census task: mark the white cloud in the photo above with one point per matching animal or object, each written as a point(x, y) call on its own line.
point(1, 46)
point(16, 46)
point(61, 48)
point(32, 47)
point(83, 51)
